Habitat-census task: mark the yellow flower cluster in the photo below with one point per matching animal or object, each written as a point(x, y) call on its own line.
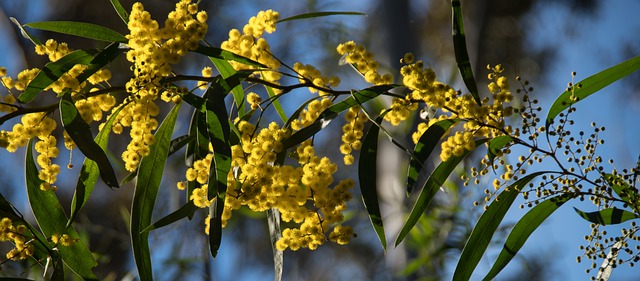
point(484, 120)
point(16, 234)
point(250, 44)
point(254, 100)
point(308, 73)
point(363, 61)
point(302, 194)
point(352, 133)
point(63, 240)
point(41, 126)
point(68, 81)
point(49, 171)
point(153, 50)
point(311, 113)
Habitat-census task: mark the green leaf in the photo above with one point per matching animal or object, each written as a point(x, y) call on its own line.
point(24, 32)
point(320, 14)
point(185, 211)
point(367, 175)
point(431, 187)
point(428, 141)
point(218, 131)
point(104, 57)
point(42, 248)
point(220, 54)
point(52, 220)
point(180, 142)
point(460, 48)
point(590, 85)
point(523, 229)
point(332, 112)
point(80, 133)
point(52, 71)
point(607, 216)
point(90, 170)
point(486, 226)
point(276, 103)
point(146, 191)
point(122, 13)
point(226, 70)
point(619, 186)
point(496, 145)
point(81, 29)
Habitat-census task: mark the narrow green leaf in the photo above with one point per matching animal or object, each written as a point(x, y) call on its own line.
point(24, 32)
point(523, 229)
point(81, 29)
point(590, 85)
point(320, 14)
point(104, 57)
point(180, 142)
point(332, 112)
point(52, 71)
point(460, 48)
point(218, 131)
point(607, 216)
point(276, 104)
point(226, 70)
point(122, 12)
point(185, 211)
point(146, 191)
point(429, 190)
point(485, 228)
point(80, 133)
point(428, 141)
point(220, 54)
point(52, 220)
point(496, 145)
point(273, 220)
point(58, 269)
point(89, 172)
point(367, 175)
point(620, 187)
point(42, 248)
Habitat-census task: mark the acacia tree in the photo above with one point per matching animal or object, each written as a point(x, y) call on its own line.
point(237, 160)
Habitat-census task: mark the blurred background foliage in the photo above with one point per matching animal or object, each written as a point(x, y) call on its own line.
point(497, 32)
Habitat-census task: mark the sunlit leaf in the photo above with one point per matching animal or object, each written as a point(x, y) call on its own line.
point(24, 32)
point(590, 85)
point(486, 226)
point(146, 190)
point(225, 55)
point(367, 175)
point(52, 220)
point(460, 48)
point(90, 171)
point(320, 14)
point(332, 112)
point(122, 12)
point(523, 229)
point(607, 216)
point(52, 71)
point(80, 133)
point(276, 103)
point(496, 145)
point(428, 141)
point(81, 29)
point(429, 190)
point(226, 70)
